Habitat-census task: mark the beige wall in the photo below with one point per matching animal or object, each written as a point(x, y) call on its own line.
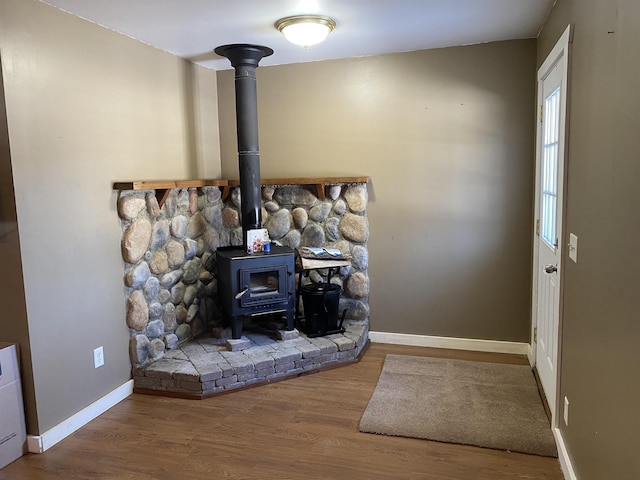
point(447, 138)
point(600, 325)
point(86, 107)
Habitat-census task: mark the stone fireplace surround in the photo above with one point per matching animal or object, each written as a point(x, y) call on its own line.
point(171, 231)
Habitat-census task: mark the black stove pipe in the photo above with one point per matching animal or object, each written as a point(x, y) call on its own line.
point(244, 59)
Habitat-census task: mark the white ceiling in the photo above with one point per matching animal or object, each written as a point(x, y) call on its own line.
point(193, 28)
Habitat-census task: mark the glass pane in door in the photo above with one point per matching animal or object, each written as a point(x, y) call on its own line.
point(549, 197)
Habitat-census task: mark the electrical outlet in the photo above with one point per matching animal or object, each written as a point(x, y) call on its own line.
point(98, 357)
point(565, 413)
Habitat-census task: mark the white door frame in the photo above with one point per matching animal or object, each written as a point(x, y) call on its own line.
point(562, 48)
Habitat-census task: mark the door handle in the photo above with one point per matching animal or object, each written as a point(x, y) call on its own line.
point(240, 294)
point(550, 268)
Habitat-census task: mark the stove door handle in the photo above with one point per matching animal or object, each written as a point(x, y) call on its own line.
point(240, 294)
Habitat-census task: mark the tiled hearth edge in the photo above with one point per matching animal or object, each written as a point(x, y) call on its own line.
point(170, 235)
point(201, 368)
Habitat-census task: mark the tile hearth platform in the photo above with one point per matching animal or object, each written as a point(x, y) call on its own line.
point(204, 366)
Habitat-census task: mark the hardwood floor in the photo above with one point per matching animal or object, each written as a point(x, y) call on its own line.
point(303, 428)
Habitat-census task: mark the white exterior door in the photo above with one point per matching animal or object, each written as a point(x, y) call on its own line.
point(548, 248)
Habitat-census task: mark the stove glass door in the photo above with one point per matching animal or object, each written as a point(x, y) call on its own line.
point(264, 285)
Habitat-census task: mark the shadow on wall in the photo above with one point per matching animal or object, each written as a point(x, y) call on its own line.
point(190, 119)
point(13, 322)
point(8, 217)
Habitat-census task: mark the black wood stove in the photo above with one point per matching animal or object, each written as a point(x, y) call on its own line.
point(258, 283)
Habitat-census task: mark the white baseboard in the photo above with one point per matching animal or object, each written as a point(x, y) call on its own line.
point(494, 346)
point(40, 443)
point(530, 355)
point(563, 456)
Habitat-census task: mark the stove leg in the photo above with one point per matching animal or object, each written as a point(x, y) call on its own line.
point(236, 327)
point(291, 313)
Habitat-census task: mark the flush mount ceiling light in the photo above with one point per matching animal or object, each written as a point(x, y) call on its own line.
point(305, 30)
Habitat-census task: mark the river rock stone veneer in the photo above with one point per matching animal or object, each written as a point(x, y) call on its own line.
point(171, 290)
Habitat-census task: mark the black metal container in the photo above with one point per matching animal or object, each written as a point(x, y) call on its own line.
point(321, 302)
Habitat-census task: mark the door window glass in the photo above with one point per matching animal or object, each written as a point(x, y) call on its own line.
point(550, 169)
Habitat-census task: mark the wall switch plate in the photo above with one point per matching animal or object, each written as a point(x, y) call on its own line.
point(98, 357)
point(573, 247)
point(565, 413)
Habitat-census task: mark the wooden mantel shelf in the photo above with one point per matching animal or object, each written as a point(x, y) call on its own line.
point(319, 182)
point(163, 187)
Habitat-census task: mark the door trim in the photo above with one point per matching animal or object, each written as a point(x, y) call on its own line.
point(561, 48)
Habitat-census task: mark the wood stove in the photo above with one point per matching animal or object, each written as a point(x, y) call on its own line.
point(256, 284)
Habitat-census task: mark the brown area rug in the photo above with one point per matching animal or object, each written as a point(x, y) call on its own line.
point(456, 401)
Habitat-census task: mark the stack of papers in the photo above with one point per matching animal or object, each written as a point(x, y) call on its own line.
point(323, 253)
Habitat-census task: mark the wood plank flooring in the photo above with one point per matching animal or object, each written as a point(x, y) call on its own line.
point(302, 428)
